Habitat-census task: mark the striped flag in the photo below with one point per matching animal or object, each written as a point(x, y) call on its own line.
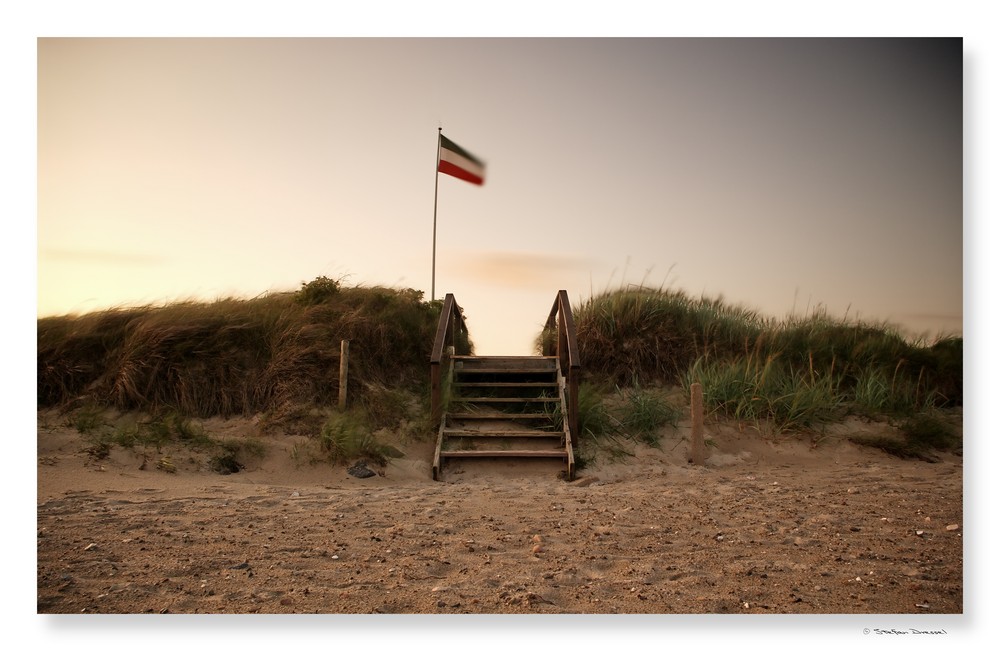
point(455, 161)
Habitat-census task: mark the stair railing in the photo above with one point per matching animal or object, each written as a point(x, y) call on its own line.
point(559, 340)
point(452, 335)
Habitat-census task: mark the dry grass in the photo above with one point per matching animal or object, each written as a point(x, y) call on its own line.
point(237, 357)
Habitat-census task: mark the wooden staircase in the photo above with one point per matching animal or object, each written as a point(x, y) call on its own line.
point(505, 407)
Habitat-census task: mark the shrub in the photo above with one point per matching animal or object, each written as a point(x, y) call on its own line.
point(317, 291)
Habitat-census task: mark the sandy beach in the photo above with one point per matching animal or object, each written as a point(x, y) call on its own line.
point(805, 524)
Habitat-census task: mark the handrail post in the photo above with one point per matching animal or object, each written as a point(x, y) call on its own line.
point(450, 321)
point(572, 363)
point(561, 320)
point(435, 393)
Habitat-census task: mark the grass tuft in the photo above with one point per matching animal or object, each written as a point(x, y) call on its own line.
point(233, 454)
point(643, 413)
point(347, 437)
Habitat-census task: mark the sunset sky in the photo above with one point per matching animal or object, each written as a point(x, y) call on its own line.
point(781, 174)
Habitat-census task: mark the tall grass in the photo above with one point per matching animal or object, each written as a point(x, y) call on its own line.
point(278, 355)
point(238, 357)
point(767, 392)
point(791, 373)
point(658, 334)
point(643, 412)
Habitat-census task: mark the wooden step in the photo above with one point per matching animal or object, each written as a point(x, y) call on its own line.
point(504, 414)
point(505, 364)
point(494, 399)
point(471, 415)
point(495, 375)
point(510, 370)
point(502, 433)
point(527, 385)
point(472, 454)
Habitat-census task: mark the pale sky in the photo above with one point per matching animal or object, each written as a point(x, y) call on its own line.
point(779, 173)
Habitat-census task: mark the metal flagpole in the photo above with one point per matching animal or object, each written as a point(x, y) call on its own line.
point(434, 241)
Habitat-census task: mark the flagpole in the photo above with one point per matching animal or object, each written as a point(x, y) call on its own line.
point(434, 240)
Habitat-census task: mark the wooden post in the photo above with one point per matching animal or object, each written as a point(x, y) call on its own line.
point(345, 345)
point(697, 425)
point(574, 406)
point(436, 407)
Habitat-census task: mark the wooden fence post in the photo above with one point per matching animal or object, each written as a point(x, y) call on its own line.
point(697, 425)
point(345, 345)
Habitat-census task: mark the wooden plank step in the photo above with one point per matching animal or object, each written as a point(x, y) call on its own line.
point(536, 360)
point(502, 433)
point(552, 357)
point(504, 368)
point(471, 454)
point(506, 364)
point(493, 377)
point(527, 385)
point(496, 416)
point(515, 400)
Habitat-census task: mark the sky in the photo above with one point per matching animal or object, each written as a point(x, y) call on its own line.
point(785, 175)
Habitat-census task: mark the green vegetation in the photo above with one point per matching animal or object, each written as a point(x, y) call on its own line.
point(921, 435)
point(348, 436)
point(778, 375)
point(232, 454)
point(649, 336)
point(277, 357)
point(320, 290)
point(86, 419)
point(608, 418)
point(658, 335)
point(765, 391)
point(146, 435)
point(595, 421)
point(644, 412)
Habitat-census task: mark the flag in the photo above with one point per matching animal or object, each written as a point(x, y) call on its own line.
point(457, 162)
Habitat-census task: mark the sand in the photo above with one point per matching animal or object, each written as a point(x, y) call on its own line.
point(810, 524)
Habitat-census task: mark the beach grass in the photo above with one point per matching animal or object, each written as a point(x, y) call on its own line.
point(277, 357)
point(237, 357)
point(778, 375)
